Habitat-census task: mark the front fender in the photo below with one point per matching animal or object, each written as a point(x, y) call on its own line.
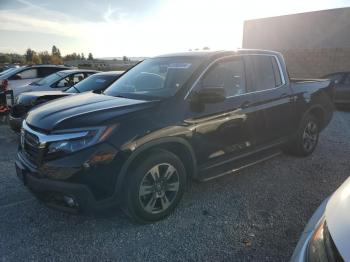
point(150, 145)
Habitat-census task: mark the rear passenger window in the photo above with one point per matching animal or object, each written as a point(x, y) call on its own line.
point(228, 74)
point(265, 72)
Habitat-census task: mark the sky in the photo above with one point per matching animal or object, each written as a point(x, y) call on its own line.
point(136, 28)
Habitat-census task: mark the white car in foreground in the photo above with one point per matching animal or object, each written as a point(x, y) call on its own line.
point(326, 237)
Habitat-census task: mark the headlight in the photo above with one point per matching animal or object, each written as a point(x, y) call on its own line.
point(321, 245)
point(89, 137)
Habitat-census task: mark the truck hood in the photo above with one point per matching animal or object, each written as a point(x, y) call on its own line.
point(337, 218)
point(82, 110)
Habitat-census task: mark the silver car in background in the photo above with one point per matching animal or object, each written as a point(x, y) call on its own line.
point(326, 237)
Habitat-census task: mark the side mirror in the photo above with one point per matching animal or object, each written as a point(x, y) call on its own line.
point(208, 95)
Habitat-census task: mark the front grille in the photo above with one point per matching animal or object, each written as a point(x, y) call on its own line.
point(30, 145)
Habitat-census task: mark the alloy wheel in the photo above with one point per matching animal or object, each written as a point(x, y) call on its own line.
point(310, 136)
point(158, 188)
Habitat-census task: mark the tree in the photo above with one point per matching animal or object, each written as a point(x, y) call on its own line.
point(72, 56)
point(55, 51)
point(90, 57)
point(5, 58)
point(82, 56)
point(126, 59)
point(29, 55)
point(45, 57)
point(36, 59)
point(56, 60)
point(16, 58)
point(206, 48)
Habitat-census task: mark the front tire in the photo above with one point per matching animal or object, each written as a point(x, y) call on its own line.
point(154, 187)
point(306, 138)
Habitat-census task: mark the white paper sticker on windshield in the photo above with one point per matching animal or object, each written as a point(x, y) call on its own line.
point(180, 65)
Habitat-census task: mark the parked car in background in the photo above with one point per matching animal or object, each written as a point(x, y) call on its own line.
point(24, 75)
point(198, 115)
point(57, 81)
point(97, 83)
point(326, 236)
point(342, 87)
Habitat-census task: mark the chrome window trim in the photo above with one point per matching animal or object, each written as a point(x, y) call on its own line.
point(43, 138)
point(239, 55)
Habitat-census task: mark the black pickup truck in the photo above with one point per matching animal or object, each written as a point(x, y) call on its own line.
point(197, 115)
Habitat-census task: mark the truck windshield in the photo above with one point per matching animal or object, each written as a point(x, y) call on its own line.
point(155, 78)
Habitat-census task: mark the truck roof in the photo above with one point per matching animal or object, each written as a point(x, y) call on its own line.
point(208, 54)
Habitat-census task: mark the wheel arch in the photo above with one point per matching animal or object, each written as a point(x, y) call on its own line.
point(178, 146)
point(320, 113)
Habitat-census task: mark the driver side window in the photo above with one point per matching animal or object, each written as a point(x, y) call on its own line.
point(62, 83)
point(228, 74)
point(70, 80)
point(65, 82)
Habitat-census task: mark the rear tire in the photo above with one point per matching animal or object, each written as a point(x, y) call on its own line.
point(154, 187)
point(306, 139)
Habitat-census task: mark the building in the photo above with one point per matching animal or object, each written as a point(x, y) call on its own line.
point(314, 43)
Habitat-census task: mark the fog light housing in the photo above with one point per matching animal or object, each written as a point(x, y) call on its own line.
point(70, 201)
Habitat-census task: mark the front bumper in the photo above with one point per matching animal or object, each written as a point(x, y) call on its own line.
point(45, 189)
point(92, 188)
point(300, 252)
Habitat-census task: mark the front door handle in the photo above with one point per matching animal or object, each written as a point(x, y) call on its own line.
point(245, 104)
